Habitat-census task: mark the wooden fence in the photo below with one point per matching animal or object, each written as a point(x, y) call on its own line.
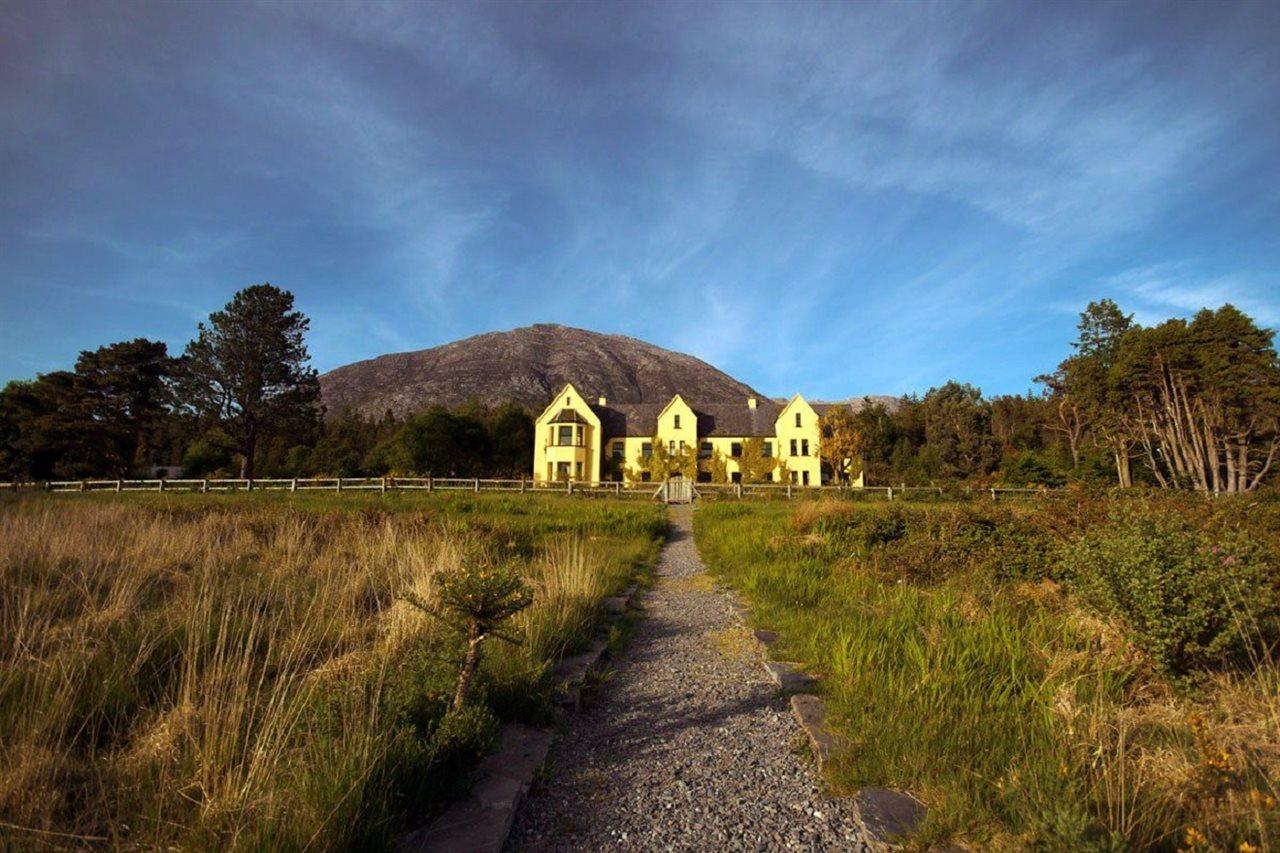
point(608, 488)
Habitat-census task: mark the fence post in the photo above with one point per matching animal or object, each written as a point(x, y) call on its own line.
point(428, 484)
point(84, 487)
point(890, 492)
point(569, 486)
point(48, 485)
point(119, 485)
point(993, 495)
point(788, 491)
point(204, 485)
point(617, 487)
point(477, 484)
point(160, 488)
point(522, 485)
point(248, 484)
point(293, 485)
point(337, 484)
point(384, 485)
point(737, 490)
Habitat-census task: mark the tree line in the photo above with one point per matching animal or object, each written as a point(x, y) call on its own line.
point(240, 400)
point(1186, 404)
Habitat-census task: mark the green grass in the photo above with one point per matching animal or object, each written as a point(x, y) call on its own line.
point(956, 667)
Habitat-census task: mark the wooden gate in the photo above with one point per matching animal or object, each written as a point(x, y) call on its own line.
point(677, 490)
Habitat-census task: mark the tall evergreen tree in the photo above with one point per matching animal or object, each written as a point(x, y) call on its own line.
point(247, 370)
point(126, 395)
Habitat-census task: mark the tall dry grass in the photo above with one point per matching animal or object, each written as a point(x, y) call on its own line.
point(240, 675)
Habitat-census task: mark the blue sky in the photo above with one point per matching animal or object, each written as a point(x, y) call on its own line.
point(831, 199)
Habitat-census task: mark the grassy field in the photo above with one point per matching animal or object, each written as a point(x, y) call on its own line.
point(1084, 673)
point(241, 671)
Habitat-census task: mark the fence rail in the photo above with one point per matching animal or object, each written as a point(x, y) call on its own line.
point(474, 484)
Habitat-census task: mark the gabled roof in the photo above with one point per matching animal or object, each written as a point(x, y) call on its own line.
point(568, 387)
point(569, 416)
point(714, 419)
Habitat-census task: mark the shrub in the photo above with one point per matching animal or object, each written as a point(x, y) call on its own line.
point(1186, 599)
point(209, 454)
point(463, 736)
point(1031, 468)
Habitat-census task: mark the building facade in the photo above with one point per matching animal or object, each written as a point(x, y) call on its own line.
point(757, 440)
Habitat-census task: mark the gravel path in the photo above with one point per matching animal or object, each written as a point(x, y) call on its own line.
point(687, 746)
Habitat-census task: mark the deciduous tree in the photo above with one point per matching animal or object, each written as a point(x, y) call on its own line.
point(842, 443)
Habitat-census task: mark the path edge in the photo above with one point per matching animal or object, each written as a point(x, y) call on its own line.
point(481, 821)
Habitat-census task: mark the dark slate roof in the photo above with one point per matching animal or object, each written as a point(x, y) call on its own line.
point(629, 419)
point(568, 416)
point(714, 419)
point(737, 419)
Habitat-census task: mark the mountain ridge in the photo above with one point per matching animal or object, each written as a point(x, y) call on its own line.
point(526, 365)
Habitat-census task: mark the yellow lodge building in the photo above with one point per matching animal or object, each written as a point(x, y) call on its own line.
point(757, 440)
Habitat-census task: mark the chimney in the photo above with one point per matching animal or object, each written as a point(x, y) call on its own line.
point(751, 403)
point(602, 402)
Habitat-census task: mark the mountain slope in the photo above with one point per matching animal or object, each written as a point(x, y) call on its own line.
point(526, 366)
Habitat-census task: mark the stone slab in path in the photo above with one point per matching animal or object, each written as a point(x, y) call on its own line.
point(766, 637)
point(481, 823)
point(789, 677)
point(889, 815)
point(811, 713)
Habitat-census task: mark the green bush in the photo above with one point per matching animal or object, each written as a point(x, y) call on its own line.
point(1189, 601)
point(209, 454)
point(463, 736)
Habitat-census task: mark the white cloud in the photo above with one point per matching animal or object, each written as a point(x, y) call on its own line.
point(1157, 291)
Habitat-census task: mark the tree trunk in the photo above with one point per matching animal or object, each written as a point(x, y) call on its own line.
point(469, 664)
point(1124, 468)
point(1266, 465)
point(250, 450)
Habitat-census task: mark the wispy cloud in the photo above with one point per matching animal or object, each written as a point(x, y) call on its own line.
point(822, 198)
point(1155, 292)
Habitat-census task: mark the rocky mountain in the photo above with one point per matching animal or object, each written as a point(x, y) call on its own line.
point(857, 404)
point(527, 366)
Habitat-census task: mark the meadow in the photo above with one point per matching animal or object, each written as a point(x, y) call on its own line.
point(244, 671)
point(1079, 672)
